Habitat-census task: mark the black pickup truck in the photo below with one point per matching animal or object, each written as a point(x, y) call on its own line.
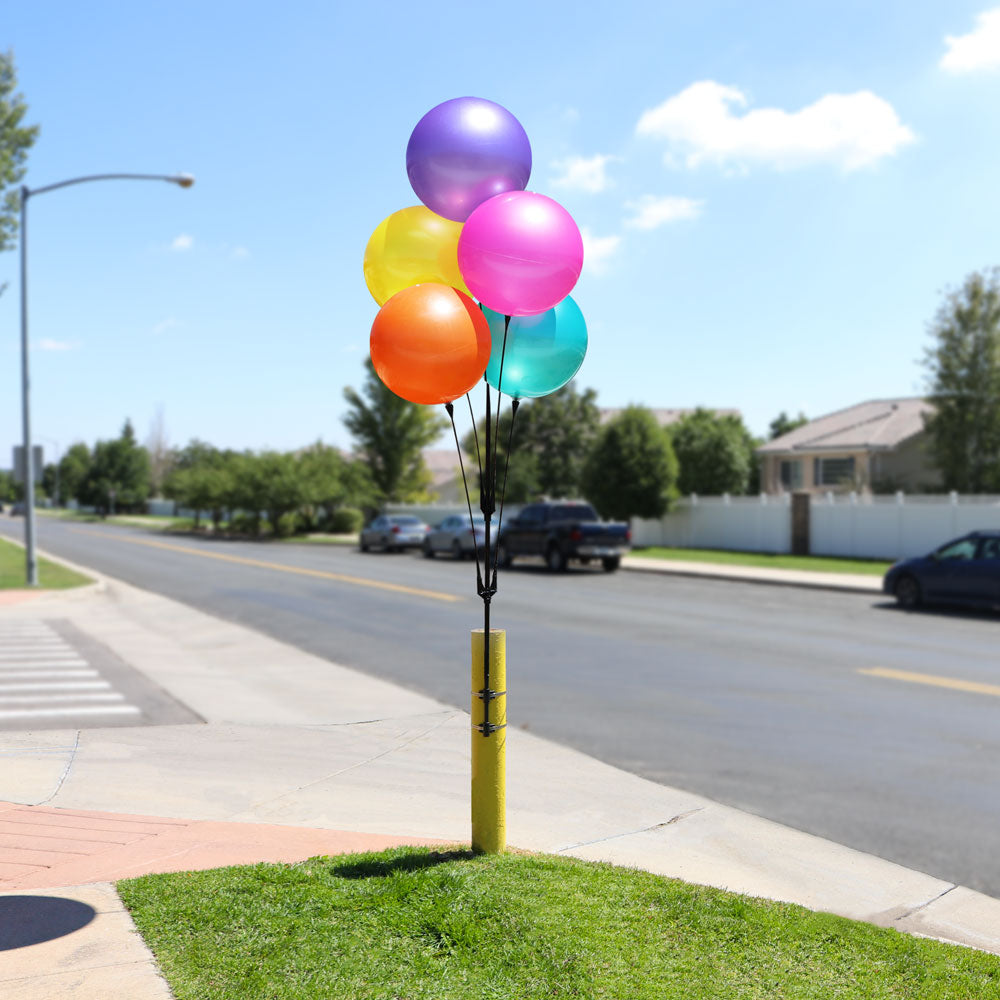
point(561, 530)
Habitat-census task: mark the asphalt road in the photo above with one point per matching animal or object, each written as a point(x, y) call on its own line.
point(752, 695)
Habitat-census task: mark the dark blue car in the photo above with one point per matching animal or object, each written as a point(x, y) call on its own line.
point(965, 571)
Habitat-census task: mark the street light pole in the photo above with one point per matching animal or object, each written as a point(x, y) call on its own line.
point(181, 180)
point(31, 564)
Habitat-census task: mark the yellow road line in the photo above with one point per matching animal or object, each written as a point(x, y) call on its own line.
point(975, 687)
point(358, 581)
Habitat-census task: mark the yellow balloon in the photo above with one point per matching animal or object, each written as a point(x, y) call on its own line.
point(411, 247)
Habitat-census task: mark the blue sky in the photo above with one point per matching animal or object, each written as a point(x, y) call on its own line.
point(774, 197)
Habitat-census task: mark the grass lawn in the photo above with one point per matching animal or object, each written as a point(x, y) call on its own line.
point(821, 564)
point(50, 575)
point(321, 539)
point(414, 924)
point(152, 520)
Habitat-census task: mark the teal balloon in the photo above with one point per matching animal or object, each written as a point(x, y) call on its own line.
point(543, 351)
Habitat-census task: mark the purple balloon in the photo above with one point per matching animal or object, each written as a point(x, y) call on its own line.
point(465, 151)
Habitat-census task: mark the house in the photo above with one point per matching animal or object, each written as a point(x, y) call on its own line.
point(446, 475)
point(877, 446)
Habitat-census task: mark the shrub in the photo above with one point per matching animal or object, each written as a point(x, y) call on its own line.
point(240, 524)
point(287, 525)
point(345, 521)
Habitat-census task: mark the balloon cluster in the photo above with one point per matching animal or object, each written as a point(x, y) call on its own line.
point(477, 235)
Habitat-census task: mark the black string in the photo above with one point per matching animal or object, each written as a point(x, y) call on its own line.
point(503, 352)
point(465, 483)
point(514, 404)
point(475, 430)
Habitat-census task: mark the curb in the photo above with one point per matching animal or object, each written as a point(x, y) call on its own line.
point(756, 577)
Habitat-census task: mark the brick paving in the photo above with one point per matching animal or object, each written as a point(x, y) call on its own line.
point(42, 847)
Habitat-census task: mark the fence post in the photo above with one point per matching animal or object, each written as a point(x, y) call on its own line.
point(800, 523)
point(900, 514)
point(852, 543)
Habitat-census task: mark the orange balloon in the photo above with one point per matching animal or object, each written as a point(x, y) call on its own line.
point(430, 343)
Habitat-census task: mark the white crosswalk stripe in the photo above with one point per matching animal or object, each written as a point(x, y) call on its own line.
point(42, 676)
point(34, 713)
point(10, 675)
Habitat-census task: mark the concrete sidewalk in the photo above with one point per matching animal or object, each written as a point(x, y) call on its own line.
point(299, 756)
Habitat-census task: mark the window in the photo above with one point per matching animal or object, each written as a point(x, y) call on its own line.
point(572, 512)
point(791, 474)
point(533, 514)
point(990, 549)
point(833, 471)
point(964, 548)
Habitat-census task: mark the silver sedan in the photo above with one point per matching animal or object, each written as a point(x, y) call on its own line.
point(460, 536)
point(393, 533)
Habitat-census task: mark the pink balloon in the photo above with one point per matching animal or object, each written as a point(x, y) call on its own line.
point(520, 253)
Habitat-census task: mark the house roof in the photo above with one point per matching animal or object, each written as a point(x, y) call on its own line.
point(877, 425)
point(443, 465)
point(664, 417)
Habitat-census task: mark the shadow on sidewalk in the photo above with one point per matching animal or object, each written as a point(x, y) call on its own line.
point(27, 920)
point(405, 863)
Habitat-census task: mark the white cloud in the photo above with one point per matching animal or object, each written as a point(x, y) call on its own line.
point(182, 242)
point(979, 49)
point(571, 115)
point(240, 253)
point(45, 344)
point(849, 130)
point(598, 250)
point(652, 212)
point(582, 173)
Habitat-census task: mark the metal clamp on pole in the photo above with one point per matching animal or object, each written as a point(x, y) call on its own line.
point(489, 743)
point(488, 727)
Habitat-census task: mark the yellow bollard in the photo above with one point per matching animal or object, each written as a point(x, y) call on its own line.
point(489, 749)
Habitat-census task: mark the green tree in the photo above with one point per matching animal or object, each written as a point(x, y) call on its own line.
point(389, 434)
point(268, 482)
point(195, 452)
point(963, 366)
point(16, 139)
point(552, 437)
point(324, 483)
point(631, 470)
point(73, 469)
point(49, 481)
point(784, 424)
point(716, 453)
point(118, 477)
point(8, 488)
point(360, 490)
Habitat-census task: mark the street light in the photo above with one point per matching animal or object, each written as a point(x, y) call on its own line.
point(181, 180)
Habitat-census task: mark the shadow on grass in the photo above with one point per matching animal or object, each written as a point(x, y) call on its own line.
point(384, 867)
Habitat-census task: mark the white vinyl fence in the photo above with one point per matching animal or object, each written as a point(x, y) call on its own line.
point(751, 524)
point(852, 525)
point(896, 527)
